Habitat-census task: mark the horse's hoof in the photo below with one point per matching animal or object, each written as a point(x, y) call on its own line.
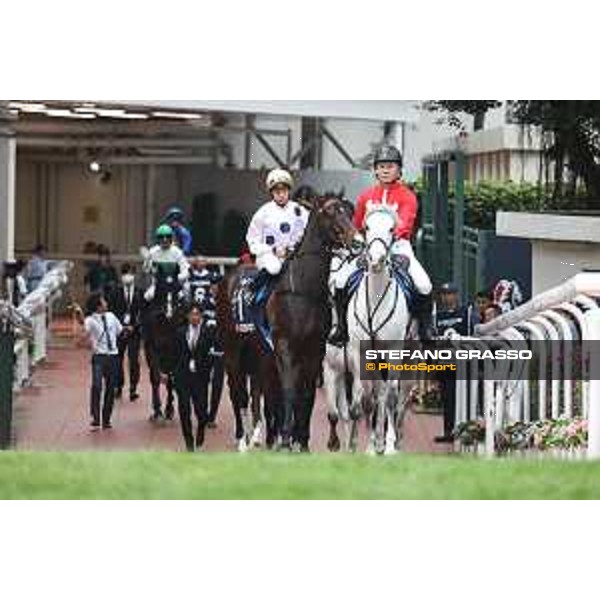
point(157, 417)
point(170, 413)
point(242, 446)
point(334, 445)
point(257, 437)
point(284, 445)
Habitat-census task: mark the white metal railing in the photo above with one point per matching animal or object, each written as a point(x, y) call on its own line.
point(32, 319)
point(220, 261)
point(552, 320)
point(77, 287)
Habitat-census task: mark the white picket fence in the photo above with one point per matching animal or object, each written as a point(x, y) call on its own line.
point(563, 314)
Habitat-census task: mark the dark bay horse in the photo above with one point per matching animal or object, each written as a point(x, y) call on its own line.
point(251, 370)
point(161, 319)
point(299, 313)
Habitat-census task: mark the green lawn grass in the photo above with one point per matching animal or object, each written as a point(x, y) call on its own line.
point(272, 476)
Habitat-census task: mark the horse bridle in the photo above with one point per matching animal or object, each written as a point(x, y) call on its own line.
point(368, 328)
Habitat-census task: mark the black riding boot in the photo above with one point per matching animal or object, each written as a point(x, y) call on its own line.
point(339, 336)
point(423, 313)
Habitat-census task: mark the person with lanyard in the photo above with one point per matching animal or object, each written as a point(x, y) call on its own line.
point(103, 330)
point(450, 315)
point(274, 231)
point(127, 303)
point(391, 191)
point(183, 238)
point(191, 377)
point(203, 282)
point(164, 252)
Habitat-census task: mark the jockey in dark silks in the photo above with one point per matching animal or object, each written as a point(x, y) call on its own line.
point(164, 252)
point(175, 219)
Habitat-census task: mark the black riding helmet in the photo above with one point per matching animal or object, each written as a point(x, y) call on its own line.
point(389, 154)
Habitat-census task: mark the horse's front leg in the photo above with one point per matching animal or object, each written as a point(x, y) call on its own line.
point(391, 411)
point(290, 386)
point(170, 409)
point(331, 395)
point(155, 383)
point(401, 412)
point(381, 411)
point(257, 420)
point(239, 401)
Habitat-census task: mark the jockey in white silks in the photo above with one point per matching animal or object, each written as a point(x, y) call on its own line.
point(164, 252)
point(275, 230)
point(392, 192)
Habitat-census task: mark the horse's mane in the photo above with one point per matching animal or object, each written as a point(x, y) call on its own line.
point(373, 209)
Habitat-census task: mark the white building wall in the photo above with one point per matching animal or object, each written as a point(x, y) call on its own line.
point(556, 262)
point(80, 208)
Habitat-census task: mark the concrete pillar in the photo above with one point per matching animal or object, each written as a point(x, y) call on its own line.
point(394, 133)
point(8, 173)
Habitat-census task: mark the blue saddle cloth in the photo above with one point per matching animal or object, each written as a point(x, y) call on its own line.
point(250, 316)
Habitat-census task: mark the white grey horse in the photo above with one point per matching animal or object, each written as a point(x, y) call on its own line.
point(378, 311)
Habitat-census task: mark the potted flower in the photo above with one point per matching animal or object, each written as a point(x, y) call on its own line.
point(470, 435)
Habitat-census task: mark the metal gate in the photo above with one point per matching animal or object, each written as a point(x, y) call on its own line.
point(476, 258)
point(7, 340)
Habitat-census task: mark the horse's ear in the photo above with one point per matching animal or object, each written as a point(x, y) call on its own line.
point(342, 194)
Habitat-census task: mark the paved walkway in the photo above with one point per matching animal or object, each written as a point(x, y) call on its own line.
point(52, 414)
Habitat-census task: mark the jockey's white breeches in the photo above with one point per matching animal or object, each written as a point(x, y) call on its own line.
point(340, 274)
point(270, 263)
point(415, 269)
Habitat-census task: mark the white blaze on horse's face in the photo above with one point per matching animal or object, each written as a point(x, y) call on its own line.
point(379, 232)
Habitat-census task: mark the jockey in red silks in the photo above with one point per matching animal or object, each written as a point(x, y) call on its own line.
point(391, 191)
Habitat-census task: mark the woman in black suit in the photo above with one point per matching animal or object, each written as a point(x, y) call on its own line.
point(192, 376)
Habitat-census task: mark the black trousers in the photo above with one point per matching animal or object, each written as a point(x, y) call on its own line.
point(448, 391)
point(217, 376)
point(104, 377)
point(192, 394)
point(129, 344)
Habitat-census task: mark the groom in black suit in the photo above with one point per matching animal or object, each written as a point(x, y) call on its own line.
point(127, 303)
point(191, 377)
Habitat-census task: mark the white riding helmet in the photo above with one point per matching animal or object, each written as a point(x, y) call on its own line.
point(279, 177)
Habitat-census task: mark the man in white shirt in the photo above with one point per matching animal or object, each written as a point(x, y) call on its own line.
point(276, 228)
point(103, 330)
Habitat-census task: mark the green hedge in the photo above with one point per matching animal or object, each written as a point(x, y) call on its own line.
point(484, 199)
